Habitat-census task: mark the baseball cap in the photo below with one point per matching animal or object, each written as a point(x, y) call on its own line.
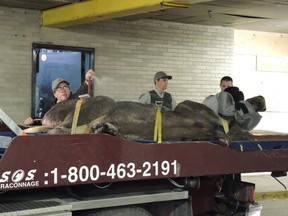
point(57, 81)
point(161, 74)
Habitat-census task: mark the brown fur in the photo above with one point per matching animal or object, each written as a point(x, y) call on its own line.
point(189, 121)
point(258, 103)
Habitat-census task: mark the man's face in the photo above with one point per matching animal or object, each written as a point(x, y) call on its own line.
point(162, 84)
point(62, 92)
point(225, 84)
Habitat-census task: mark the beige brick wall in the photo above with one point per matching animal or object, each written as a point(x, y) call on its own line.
point(127, 54)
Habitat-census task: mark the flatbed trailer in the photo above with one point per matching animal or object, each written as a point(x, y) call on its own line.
point(99, 174)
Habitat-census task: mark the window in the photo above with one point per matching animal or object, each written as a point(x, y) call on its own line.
point(51, 62)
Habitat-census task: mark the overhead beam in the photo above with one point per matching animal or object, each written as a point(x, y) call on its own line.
point(98, 10)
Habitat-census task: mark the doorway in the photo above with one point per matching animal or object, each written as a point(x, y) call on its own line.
point(51, 62)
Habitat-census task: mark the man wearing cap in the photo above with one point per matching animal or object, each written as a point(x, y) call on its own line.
point(212, 101)
point(61, 91)
point(159, 94)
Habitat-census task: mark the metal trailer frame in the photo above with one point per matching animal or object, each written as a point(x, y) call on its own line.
point(37, 164)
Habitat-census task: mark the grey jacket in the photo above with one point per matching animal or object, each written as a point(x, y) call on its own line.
point(243, 112)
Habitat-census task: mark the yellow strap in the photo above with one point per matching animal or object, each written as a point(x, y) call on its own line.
point(37, 129)
point(225, 125)
point(158, 126)
point(241, 147)
point(76, 115)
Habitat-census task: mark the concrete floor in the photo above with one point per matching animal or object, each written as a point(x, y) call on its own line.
point(277, 207)
point(269, 193)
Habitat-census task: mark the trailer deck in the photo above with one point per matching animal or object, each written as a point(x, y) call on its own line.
point(44, 174)
point(59, 160)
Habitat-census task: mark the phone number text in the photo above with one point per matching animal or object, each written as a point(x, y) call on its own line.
point(115, 171)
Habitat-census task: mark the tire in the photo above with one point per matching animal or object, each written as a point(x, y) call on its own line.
point(181, 207)
point(120, 211)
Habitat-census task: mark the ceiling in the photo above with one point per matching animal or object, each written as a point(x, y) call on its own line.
point(258, 15)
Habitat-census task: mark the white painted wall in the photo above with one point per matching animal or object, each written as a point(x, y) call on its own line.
point(268, 78)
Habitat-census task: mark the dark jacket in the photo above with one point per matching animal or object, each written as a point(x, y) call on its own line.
point(166, 100)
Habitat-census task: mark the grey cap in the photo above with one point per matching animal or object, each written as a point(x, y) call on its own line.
point(57, 81)
point(161, 74)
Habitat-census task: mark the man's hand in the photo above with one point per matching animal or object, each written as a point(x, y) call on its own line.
point(89, 75)
point(29, 121)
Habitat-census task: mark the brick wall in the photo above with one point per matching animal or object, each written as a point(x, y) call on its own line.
point(127, 54)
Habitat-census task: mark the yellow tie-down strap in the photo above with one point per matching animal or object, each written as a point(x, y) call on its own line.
point(158, 126)
point(225, 124)
point(76, 115)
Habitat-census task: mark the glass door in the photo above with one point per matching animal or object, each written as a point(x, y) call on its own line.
point(51, 62)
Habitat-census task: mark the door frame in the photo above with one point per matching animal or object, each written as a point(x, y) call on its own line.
point(85, 64)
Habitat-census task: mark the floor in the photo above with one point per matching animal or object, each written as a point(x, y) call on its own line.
point(270, 193)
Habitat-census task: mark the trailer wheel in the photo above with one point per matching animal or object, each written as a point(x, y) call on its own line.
point(181, 207)
point(121, 211)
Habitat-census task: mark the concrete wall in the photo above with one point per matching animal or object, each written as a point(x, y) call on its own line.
point(127, 56)
point(261, 67)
